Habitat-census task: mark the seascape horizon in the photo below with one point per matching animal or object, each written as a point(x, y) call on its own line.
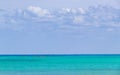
point(59, 37)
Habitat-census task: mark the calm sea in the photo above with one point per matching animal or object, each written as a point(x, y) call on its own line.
point(60, 65)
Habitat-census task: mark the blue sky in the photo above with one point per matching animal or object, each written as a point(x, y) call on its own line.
point(59, 27)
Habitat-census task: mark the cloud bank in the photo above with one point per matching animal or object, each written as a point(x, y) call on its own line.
point(72, 19)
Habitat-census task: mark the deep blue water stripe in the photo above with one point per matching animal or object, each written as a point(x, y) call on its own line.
point(59, 54)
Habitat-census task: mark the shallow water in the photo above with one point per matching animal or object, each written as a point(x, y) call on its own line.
point(60, 65)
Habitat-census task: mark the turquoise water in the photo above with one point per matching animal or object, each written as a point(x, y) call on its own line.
point(60, 65)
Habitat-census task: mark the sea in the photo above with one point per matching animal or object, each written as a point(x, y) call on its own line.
point(60, 64)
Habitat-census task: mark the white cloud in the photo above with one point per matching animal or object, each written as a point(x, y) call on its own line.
point(65, 10)
point(78, 19)
point(81, 10)
point(38, 11)
point(33, 16)
point(73, 10)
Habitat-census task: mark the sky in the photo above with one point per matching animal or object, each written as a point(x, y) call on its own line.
point(59, 27)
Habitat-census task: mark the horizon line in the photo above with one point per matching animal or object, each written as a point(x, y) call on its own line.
point(59, 54)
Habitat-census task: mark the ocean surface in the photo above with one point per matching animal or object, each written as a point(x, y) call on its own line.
point(60, 65)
